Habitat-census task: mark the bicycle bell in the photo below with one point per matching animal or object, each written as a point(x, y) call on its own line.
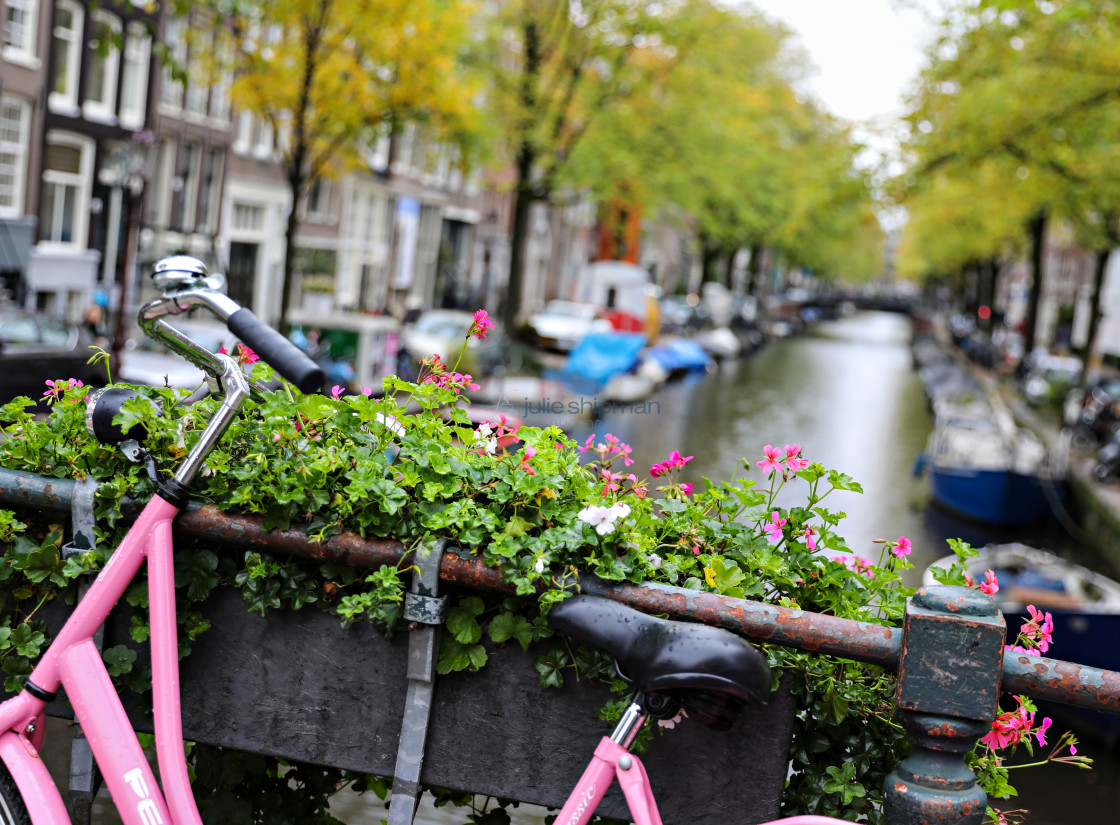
point(180, 272)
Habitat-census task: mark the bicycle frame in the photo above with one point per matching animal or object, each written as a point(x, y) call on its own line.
point(612, 760)
point(73, 662)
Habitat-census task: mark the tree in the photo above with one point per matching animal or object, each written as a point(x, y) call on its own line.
point(557, 70)
point(331, 76)
point(1031, 91)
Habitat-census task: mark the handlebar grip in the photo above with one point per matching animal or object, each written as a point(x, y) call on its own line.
point(288, 359)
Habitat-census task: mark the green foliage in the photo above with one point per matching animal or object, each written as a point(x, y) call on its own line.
point(540, 513)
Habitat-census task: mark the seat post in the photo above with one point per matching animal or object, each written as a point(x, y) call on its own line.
point(628, 726)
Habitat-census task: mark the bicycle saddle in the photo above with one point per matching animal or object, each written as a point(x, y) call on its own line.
point(711, 671)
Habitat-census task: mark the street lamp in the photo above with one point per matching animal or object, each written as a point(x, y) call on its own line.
point(126, 169)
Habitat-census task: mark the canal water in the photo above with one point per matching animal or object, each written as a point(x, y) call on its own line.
point(848, 394)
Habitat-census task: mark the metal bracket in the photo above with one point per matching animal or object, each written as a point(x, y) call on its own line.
point(426, 611)
point(81, 516)
point(85, 778)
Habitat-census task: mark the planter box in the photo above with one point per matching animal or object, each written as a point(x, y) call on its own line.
point(296, 685)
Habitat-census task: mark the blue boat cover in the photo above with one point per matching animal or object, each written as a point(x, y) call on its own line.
point(602, 355)
point(680, 354)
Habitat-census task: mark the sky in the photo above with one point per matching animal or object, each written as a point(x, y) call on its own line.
point(867, 51)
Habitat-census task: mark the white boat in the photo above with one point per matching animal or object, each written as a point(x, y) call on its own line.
point(1027, 575)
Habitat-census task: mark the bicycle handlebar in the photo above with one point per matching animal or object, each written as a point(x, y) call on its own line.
point(185, 287)
point(288, 359)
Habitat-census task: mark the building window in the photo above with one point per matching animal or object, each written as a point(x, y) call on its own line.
point(247, 218)
point(210, 191)
point(318, 199)
point(15, 117)
point(171, 88)
point(102, 64)
point(66, 51)
point(66, 190)
point(136, 55)
point(20, 19)
point(187, 183)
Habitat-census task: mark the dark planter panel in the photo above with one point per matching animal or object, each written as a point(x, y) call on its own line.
point(299, 686)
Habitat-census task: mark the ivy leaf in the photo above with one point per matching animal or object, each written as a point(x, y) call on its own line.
point(118, 660)
point(454, 656)
point(27, 641)
point(506, 626)
point(550, 667)
point(842, 781)
point(517, 526)
point(724, 577)
point(462, 621)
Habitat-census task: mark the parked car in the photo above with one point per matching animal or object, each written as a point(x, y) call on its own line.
point(37, 348)
point(148, 362)
point(443, 332)
point(563, 324)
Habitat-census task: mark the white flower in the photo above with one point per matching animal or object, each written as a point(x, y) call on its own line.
point(603, 518)
point(486, 435)
point(654, 560)
point(539, 566)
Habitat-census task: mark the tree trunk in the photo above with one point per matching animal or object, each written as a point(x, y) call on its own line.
point(1036, 227)
point(1100, 269)
point(708, 257)
point(524, 194)
point(729, 269)
point(519, 237)
point(754, 266)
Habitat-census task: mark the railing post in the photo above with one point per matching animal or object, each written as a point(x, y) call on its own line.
point(948, 694)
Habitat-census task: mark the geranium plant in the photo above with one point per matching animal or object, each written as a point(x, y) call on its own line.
point(408, 463)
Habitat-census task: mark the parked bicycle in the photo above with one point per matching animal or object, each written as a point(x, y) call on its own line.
point(708, 672)
point(27, 792)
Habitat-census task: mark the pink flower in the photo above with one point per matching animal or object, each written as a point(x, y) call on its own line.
point(686, 488)
point(794, 461)
point(901, 547)
point(482, 324)
point(696, 549)
point(246, 355)
point(336, 391)
point(1040, 732)
point(658, 470)
point(1039, 629)
point(587, 445)
point(774, 527)
point(675, 459)
point(990, 585)
point(810, 536)
point(524, 465)
point(610, 481)
point(773, 461)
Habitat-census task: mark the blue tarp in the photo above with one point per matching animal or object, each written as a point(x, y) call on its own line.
point(600, 356)
point(680, 354)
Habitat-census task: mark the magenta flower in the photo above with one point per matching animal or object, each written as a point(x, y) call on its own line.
point(901, 547)
point(336, 391)
point(990, 585)
point(1039, 629)
point(1040, 732)
point(774, 527)
point(658, 470)
point(482, 324)
point(773, 461)
point(675, 459)
point(686, 488)
point(524, 465)
point(794, 461)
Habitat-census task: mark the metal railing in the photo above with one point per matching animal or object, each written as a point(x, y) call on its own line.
point(949, 655)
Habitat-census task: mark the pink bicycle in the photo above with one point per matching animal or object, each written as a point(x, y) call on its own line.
point(709, 672)
point(27, 792)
